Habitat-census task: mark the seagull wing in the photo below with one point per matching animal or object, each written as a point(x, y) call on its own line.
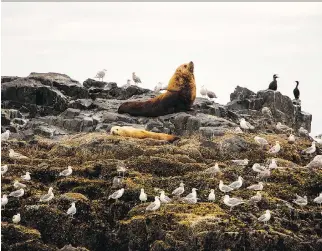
point(151, 206)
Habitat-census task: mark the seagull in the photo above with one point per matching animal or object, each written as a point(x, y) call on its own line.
point(281, 127)
point(154, 205)
point(291, 139)
point(273, 164)
point(232, 202)
point(212, 196)
point(17, 193)
point(4, 201)
point(72, 210)
point(117, 194)
point(264, 174)
point(120, 168)
point(267, 112)
point(143, 197)
point(136, 79)
point(193, 194)
point(190, 200)
point(261, 141)
point(258, 168)
point(310, 149)
point(275, 149)
point(317, 200)
point(16, 156)
point(236, 184)
point(273, 84)
point(203, 91)
point(256, 198)
point(101, 74)
point(256, 187)
point(5, 135)
point(211, 95)
point(26, 176)
point(17, 184)
point(303, 132)
point(300, 201)
point(16, 219)
point(178, 191)
point(117, 181)
point(4, 169)
point(66, 172)
point(47, 197)
point(213, 170)
point(224, 188)
point(240, 162)
point(316, 162)
point(246, 125)
point(318, 140)
point(163, 198)
point(265, 217)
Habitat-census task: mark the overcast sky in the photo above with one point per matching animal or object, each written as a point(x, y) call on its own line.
point(230, 43)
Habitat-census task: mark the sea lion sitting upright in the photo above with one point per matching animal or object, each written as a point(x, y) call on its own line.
point(180, 95)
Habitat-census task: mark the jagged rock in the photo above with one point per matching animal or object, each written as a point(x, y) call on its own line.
point(5, 79)
point(241, 93)
point(62, 82)
point(88, 83)
point(82, 104)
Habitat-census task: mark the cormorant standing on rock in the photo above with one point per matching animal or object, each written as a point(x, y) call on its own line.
point(273, 84)
point(296, 91)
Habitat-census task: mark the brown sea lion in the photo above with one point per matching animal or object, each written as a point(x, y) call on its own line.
point(180, 95)
point(128, 131)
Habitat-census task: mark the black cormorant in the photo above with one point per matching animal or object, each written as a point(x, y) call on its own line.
point(273, 84)
point(296, 91)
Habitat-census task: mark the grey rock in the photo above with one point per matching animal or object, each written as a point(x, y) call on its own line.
point(70, 113)
point(235, 144)
point(241, 93)
point(5, 79)
point(82, 104)
point(88, 83)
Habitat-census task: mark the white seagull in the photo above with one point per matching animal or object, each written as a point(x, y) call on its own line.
point(213, 170)
point(16, 156)
point(66, 172)
point(203, 91)
point(256, 198)
point(136, 79)
point(212, 196)
point(178, 191)
point(310, 150)
point(283, 128)
point(5, 135)
point(232, 202)
point(267, 112)
point(291, 139)
point(4, 201)
point(17, 193)
point(300, 201)
point(47, 197)
point(265, 217)
point(240, 162)
point(264, 174)
point(258, 168)
point(26, 177)
point(237, 130)
point(318, 199)
point(120, 168)
point(143, 197)
point(275, 149)
point(101, 74)
point(273, 164)
point(16, 219)
point(117, 194)
point(256, 187)
point(154, 205)
point(163, 198)
point(246, 125)
point(193, 194)
point(236, 184)
point(261, 141)
point(224, 188)
point(4, 169)
point(72, 210)
point(303, 132)
point(17, 184)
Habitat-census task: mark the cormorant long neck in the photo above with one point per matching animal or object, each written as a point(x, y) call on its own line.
point(297, 84)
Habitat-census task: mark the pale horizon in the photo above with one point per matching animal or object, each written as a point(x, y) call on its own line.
point(230, 44)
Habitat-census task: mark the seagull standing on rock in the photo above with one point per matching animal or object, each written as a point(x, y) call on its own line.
point(178, 191)
point(236, 184)
point(16, 156)
point(143, 197)
point(5, 135)
point(213, 170)
point(303, 132)
point(265, 217)
point(258, 168)
point(4, 169)
point(232, 202)
point(267, 112)
point(283, 128)
point(300, 201)
point(291, 139)
point(66, 172)
point(4, 201)
point(17, 194)
point(47, 197)
point(318, 199)
point(261, 141)
point(203, 91)
point(26, 177)
point(246, 125)
point(136, 79)
point(100, 75)
point(154, 205)
point(240, 162)
point(17, 184)
point(163, 198)
point(212, 196)
point(273, 164)
point(211, 95)
point(256, 198)
point(117, 194)
point(72, 210)
point(310, 150)
point(224, 188)
point(16, 219)
point(256, 187)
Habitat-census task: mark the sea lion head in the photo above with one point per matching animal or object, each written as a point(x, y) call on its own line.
point(186, 68)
